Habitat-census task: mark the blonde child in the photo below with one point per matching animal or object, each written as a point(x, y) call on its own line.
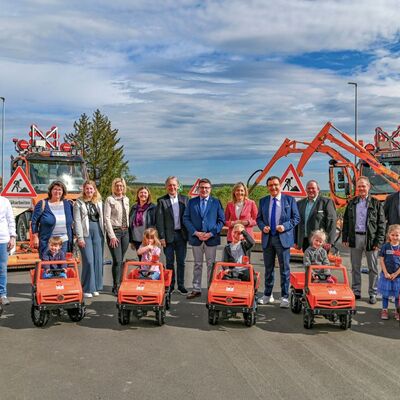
point(54, 253)
point(150, 247)
point(389, 279)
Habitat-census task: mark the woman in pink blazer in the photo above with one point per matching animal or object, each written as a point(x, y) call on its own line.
point(240, 210)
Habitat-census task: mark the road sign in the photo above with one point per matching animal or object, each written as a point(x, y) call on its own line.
point(291, 183)
point(194, 191)
point(19, 185)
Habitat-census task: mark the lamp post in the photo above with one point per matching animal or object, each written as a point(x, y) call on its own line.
point(355, 113)
point(2, 140)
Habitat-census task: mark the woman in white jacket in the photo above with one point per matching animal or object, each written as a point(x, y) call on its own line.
point(89, 228)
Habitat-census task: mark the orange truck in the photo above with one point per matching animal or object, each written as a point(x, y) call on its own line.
point(43, 160)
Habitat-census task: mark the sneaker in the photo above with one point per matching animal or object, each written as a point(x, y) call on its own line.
point(182, 290)
point(96, 294)
point(372, 299)
point(87, 295)
point(284, 302)
point(266, 300)
point(396, 316)
point(384, 314)
point(5, 301)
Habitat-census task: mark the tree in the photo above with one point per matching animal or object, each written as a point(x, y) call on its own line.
point(99, 143)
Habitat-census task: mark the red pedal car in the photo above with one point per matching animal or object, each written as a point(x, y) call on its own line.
point(232, 290)
point(326, 293)
point(139, 293)
point(56, 294)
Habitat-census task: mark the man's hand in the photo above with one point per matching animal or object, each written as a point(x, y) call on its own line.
point(280, 228)
point(266, 229)
point(163, 242)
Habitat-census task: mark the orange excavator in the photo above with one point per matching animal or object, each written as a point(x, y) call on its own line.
point(380, 162)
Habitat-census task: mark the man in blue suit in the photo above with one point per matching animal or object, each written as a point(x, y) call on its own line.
point(203, 218)
point(277, 216)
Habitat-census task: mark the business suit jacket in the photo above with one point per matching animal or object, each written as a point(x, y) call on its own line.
point(289, 219)
point(165, 217)
point(248, 213)
point(212, 221)
point(322, 216)
point(391, 209)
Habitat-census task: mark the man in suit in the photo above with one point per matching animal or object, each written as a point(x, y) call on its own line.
point(172, 232)
point(277, 217)
point(391, 209)
point(316, 212)
point(204, 219)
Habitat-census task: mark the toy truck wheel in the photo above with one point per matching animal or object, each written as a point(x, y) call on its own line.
point(295, 303)
point(76, 314)
point(249, 318)
point(124, 316)
point(1, 310)
point(168, 300)
point(213, 317)
point(160, 317)
point(345, 321)
point(39, 317)
point(308, 319)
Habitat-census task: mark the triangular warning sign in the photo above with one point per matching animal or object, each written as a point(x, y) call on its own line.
point(194, 191)
point(291, 183)
point(19, 185)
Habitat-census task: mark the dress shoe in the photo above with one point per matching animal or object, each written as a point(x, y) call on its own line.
point(357, 296)
point(372, 299)
point(182, 290)
point(193, 294)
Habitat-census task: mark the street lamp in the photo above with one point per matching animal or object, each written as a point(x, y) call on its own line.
point(2, 140)
point(355, 113)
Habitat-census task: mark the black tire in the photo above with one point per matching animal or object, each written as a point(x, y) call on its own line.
point(345, 321)
point(213, 317)
point(1, 309)
point(308, 319)
point(76, 314)
point(249, 318)
point(295, 302)
point(167, 300)
point(160, 317)
point(22, 228)
point(39, 317)
point(124, 316)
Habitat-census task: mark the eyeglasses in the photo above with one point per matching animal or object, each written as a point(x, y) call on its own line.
point(205, 187)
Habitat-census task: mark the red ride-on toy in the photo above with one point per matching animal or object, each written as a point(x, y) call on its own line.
point(325, 291)
point(139, 293)
point(56, 294)
point(232, 290)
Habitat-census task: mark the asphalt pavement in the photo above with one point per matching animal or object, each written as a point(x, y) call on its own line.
point(98, 358)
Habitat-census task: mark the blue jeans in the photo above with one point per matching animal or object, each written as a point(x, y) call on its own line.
point(274, 248)
point(177, 248)
point(3, 269)
point(50, 275)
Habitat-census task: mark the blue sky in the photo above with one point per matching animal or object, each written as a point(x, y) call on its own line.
point(202, 88)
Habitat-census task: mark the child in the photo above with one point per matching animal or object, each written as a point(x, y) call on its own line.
point(240, 246)
point(149, 248)
point(315, 254)
point(389, 279)
point(54, 253)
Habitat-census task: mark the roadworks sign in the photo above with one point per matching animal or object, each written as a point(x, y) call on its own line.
point(291, 183)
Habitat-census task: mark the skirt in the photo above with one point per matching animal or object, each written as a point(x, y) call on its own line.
point(388, 288)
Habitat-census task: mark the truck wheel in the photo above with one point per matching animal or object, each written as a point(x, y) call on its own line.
point(124, 316)
point(76, 314)
point(160, 317)
point(39, 317)
point(308, 319)
point(345, 322)
point(213, 317)
point(295, 302)
point(22, 228)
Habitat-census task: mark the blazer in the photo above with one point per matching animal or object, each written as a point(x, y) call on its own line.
point(81, 218)
point(322, 216)
point(212, 221)
point(113, 214)
point(150, 221)
point(391, 209)
point(289, 219)
point(165, 217)
point(248, 213)
point(44, 221)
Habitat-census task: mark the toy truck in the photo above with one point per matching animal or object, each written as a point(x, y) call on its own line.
point(55, 295)
point(139, 293)
point(323, 291)
point(232, 290)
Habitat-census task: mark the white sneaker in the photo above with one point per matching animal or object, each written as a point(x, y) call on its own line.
point(266, 300)
point(96, 294)
point(87, 295)
point(284, 303)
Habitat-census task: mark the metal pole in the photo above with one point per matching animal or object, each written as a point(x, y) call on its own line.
point(355, 113)
point(2, 141)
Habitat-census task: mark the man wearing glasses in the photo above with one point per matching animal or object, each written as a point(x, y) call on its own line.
point(204, 218)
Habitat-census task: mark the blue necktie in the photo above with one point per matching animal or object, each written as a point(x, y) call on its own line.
point(202, 207)
point(273, 217)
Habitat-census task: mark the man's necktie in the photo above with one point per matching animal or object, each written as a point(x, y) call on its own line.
point(202, 206)
point(273, 217)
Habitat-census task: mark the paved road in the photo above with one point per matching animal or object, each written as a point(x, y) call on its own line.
point(277, 359)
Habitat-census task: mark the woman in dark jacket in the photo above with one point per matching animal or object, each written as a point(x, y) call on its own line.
point(141, 216)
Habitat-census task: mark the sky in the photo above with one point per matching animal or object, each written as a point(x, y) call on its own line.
point(202, 88)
